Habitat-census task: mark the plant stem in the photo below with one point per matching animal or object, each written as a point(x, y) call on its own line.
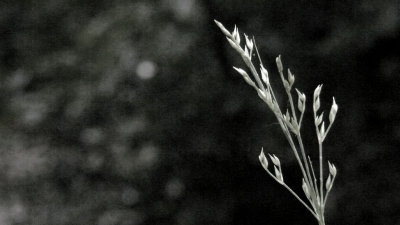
point(321, 184)
point(295, 195)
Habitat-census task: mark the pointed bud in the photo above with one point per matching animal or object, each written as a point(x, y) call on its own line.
point(300, 101)
point(249, 43)
point(286, 84)
point(261, 94)
point(300, 105)
point(246, 52)
point(275, 160)
point(322, 130)
point(223, 29)
point(332, 169)
point(278, 174)
point(235, 46)
point(328, 184)
point(298, 92)
point(317, 91)
point(264, 75)
point(234, 32)
point(263, 159)
point(287, 116)
point(241, 72)
point(284, 118)
point(316, 104)
point(249, 81)
point(279, 64)
point(302, 96)
point(236, 35)
point(319, 119)
point(305, 189)
point(290, 77)
point(332, 113)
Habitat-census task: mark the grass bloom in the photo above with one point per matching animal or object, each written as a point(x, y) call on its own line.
point(316, 189)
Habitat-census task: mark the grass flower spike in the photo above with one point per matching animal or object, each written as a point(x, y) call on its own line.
point(316, 189)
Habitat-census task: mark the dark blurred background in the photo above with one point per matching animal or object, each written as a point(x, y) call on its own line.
point(129, 112)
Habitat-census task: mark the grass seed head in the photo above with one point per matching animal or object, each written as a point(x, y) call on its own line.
point(305, 189)
point(263, 159)
point(334, 109)
point(223, 29)
point(328, 184)
point(332, 169)
point(279, 64)
point(290, 77)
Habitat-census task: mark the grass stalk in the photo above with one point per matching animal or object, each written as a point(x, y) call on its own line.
point(290, 125)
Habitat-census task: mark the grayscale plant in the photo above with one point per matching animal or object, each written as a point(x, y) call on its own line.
point(316, 191)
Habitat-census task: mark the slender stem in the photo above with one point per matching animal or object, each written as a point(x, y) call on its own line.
point(283, 126)
point(291, 104)
point(253, 71)
point(327, 131)
point(258, 54)
point(292, 145)
point(293, 193)
point(321, 179)
point(299, 140)
point(308, 177)
point(313, 174)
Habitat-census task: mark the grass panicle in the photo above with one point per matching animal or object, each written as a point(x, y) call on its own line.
point(316, 189)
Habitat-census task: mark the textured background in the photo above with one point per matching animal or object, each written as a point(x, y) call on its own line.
point(129, 112)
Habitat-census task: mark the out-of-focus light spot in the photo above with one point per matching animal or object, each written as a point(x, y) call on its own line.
point(130, 196)
point(108, 82)
point(19, 79)
point(27, 163)
point(183, 9)
point(91, 136)
point(95, 161)
point(67, 58)
point(171, 42)
point(78, 106)
point(96, 27)
point(32, 116)
point(130, 127)
point(127, 55)
point(12, 213)
point(147, 156)
point(146, 70)
point(118, 149)
point(117, 216)
point(32, 109)
point(174, 188)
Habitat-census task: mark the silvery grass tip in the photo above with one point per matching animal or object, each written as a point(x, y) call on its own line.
point(316, 192)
